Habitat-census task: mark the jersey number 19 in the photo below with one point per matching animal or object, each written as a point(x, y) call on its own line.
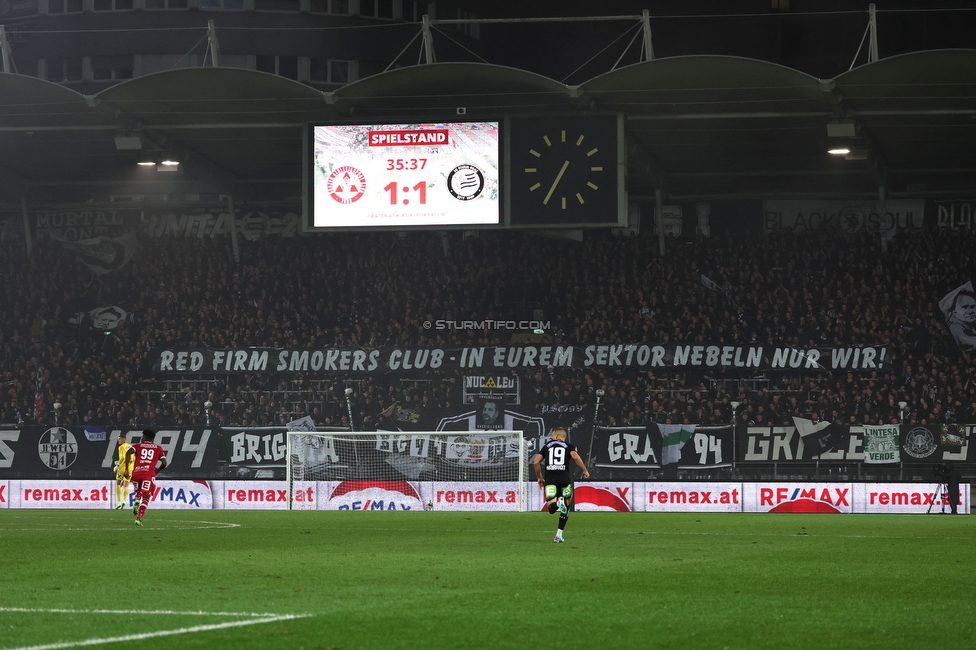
point(557, 458)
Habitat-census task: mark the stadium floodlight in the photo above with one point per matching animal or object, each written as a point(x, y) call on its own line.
point(396, 470)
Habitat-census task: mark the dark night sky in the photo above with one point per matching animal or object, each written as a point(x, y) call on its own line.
point(820, 37)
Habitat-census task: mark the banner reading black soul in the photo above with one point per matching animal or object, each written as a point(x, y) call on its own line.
point(936, 443)
point(36, 452)
point(651, 447)
point(189, 362)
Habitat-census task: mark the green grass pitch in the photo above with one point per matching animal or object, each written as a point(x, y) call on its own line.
point(350, 580)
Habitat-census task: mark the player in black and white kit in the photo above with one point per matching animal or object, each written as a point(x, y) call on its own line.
point(558, 484)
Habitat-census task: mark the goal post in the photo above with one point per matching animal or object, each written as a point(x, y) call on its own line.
point(417, 470)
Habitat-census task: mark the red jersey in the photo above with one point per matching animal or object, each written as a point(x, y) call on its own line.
point(148, 455)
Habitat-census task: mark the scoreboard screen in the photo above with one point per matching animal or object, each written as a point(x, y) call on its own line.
point(404, 175)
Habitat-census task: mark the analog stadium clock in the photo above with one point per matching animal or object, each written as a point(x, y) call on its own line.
point(565, 171)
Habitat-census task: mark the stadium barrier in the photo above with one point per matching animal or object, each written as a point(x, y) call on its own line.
point(684, 496)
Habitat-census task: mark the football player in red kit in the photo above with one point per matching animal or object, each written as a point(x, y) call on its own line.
point(147, 455)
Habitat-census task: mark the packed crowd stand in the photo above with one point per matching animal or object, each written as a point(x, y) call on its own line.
point(375, 290)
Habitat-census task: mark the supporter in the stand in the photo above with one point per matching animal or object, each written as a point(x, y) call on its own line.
point(317, 292)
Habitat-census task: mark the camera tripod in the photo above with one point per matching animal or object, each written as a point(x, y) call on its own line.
point(942, 489)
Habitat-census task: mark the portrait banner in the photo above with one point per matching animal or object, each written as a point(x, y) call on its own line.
point(959, 309)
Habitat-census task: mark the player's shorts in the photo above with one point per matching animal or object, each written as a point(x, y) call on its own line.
point(553, 490)
point(144, 484)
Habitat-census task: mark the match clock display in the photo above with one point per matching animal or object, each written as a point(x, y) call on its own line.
point(565, 171)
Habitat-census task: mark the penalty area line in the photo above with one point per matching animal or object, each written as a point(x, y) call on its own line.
point(152, 635)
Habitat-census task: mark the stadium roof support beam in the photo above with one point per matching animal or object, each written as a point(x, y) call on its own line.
point(8, 60)
point(213, 46)
point(648, 41)
point(871, 33)
point(428, 41)
point(643, 19)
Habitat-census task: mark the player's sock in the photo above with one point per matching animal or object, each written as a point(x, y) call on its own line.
point(563, 518)
point(142, 507)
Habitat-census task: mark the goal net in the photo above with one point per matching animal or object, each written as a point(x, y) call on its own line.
point(429, 470)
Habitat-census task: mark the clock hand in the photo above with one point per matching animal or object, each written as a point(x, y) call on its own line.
point(552, 189)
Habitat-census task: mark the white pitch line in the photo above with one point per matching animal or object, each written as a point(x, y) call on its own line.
point(135, 612)
point(154, 525)
point(152, 635)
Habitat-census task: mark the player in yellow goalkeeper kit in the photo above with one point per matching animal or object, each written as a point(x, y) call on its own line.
point(123, 470)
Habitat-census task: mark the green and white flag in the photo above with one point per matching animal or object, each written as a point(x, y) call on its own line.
point(673, 438)
point(881, 444)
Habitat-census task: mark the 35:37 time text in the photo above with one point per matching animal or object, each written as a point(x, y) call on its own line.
point(405, 163)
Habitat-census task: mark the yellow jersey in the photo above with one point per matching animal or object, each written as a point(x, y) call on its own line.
point(123, 451)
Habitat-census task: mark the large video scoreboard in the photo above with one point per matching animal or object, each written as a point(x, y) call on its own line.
point(519, 172)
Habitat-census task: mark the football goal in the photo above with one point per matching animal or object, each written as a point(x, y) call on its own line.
point(429, 470)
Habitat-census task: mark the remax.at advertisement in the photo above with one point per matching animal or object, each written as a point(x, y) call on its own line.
point(906, 498)
point(689, 497)
point(400, 496)
point(250, 495)
point(74, 495)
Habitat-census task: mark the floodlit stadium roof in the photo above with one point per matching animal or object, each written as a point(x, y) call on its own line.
point(697, 127)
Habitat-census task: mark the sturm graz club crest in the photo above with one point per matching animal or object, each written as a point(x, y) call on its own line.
point(920, 443)
point(57, 448)
point(465, 182)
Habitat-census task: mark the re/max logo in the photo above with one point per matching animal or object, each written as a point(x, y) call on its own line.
point(771, 497)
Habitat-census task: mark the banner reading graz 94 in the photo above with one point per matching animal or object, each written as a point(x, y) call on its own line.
point(206, 361)
point(642, 448)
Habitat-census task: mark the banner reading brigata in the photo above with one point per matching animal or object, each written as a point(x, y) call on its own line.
point(641, 356)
